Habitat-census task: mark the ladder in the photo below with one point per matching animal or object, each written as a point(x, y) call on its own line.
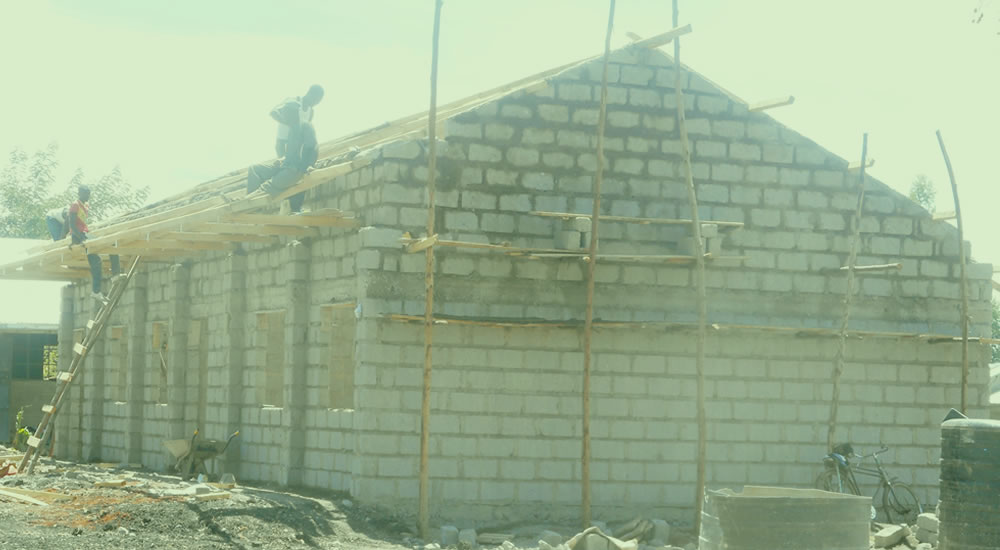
point(94, 329)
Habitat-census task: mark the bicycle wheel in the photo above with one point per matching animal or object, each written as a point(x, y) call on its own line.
point(901, 503)
point(827, 481)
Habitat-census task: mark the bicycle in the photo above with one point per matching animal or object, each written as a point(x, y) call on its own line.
point(899, 502)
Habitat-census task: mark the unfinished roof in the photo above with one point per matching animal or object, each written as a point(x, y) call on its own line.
point(218, 214)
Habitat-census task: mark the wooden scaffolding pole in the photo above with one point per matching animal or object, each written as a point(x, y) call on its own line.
point(588, 326)
point(698, 246)
point(423, 514)
point(965, 280)
point(838, 361)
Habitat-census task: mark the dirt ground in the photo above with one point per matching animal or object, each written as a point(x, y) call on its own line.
point(151, 510)
point(157, 511)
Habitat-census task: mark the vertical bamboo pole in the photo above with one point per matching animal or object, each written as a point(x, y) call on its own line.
point(965, 280)
point(838, 361)
point(588, 327)
point(698, 246)
point(423, 515)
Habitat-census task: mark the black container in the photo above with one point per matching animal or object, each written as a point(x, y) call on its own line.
point(970, 485)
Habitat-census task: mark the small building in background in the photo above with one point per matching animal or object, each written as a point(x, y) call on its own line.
point(29, 319)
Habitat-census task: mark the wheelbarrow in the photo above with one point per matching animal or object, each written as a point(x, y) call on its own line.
point(191, 454)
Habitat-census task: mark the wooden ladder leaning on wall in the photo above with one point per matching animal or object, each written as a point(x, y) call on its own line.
point(94, 329)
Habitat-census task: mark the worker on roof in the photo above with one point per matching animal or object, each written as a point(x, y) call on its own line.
point(76, 225)
point(292, 116)
point(301, 153)
point(292, 112)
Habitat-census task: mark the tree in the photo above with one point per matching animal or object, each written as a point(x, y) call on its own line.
point(28, 190)
point(922, 192)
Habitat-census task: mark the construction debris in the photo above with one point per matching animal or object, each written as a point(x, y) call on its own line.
point(890, 536)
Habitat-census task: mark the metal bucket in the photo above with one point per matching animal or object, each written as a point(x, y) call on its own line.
point(970, 485)
point(773, 518)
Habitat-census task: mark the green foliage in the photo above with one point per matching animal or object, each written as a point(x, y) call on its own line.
point(922, 192)
point(28, 190)
point(20, 432)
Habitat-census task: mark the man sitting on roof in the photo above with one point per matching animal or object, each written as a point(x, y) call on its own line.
point(301, 152)
point(74, 221)
point(292, 112)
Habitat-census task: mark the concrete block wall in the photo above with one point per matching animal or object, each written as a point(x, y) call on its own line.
point(534, 151)
point(506, 411)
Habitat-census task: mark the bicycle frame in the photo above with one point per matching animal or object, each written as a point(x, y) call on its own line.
point(878, 472)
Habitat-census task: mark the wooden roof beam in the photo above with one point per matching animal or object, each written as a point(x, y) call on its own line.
point(197, 237)
point(294, 221)
point(248, 229)
point(663, 38)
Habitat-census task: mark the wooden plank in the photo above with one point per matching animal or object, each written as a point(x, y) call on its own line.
point(863, 268)
point(118, 227)
point(162, 247)
point(64, 376)
point(662, 38)
point(422, 244)
point(643, 221)
point(79, 348)
point(940, 216)
point(295, 221)
point(47, 409)
point(23, 498)
point(44, 496)
point(248, 229)
point(193, 237)
point(772, 103)
point(323, 175)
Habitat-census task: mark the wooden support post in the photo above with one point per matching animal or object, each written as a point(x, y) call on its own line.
point(699, 280)
point(588, 324)
point(423, 514)
point(838, 361)
point(965, 280)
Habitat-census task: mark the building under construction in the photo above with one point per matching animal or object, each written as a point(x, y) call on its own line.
point(305, 332)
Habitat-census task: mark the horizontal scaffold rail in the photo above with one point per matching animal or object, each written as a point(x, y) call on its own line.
point(415, 245)
point(641, 221)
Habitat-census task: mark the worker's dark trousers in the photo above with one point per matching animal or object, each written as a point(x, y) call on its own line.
point(55, 228)
point(280, 179)
point(95, 269)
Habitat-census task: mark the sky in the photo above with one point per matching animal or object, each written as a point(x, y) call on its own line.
point(178, 92)
point(27, 302)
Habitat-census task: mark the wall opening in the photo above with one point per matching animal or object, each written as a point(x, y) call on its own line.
point(269, 344)
point(33, 356)
point(339, 322)
point(161, 333)
point(117, 380)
